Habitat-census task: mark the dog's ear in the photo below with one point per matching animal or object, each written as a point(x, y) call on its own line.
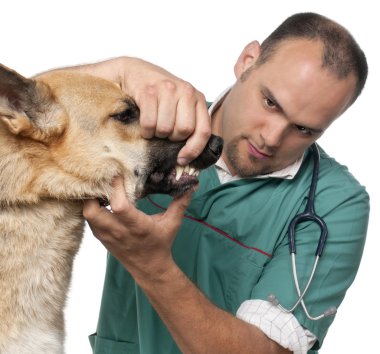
point(27, 107)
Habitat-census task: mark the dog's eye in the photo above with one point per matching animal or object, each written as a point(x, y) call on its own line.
point(127, 116)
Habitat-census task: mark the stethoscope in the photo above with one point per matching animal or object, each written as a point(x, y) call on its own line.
point(308, 215)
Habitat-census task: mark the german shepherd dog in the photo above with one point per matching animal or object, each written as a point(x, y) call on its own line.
point(64, 136)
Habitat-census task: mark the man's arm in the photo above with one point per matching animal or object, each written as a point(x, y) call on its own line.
point(169, 107)
point(143, 244)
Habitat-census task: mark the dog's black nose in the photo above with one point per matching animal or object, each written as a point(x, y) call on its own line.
point(215, 145)
point(210, 154)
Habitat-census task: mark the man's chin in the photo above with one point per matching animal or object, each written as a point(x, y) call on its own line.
point(248, 169)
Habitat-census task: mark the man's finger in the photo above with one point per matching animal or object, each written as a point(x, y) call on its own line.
point(176, 209)
point(91, 208)
point(167, 107)
point(119, 201)
point(197, 141)
point(123, 210)
point(148, 105)
point(99, 219)
point(185, 120)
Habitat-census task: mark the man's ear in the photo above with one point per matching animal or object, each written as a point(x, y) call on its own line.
point(26, 106)
point(247, 58)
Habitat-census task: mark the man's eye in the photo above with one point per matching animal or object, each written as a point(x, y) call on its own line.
point(303, 130)
point(269, 103)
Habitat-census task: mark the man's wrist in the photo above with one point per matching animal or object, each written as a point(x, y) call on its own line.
point(156, 273)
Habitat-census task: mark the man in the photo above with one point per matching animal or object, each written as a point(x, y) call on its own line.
point(203, 284)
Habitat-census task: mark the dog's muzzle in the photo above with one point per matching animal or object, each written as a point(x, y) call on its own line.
point(169, 178)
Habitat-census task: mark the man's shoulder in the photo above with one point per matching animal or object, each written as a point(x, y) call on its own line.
point(337, 176)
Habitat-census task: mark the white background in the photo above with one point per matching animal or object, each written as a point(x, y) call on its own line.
point(200, 41)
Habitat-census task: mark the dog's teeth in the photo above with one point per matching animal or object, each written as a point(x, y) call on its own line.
point(178, 172)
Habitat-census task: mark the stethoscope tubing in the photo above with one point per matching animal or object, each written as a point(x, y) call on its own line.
point(307, 215)
point(309, 212)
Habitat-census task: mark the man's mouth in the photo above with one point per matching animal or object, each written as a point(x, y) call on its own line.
point(257, 153)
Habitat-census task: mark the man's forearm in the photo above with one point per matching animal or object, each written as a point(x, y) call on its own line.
point(196, 324)
point(112, 69)
point(129, 72)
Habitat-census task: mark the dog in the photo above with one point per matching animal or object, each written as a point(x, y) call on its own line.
point(64, 136)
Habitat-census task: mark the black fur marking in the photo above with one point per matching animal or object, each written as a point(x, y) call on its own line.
point(18, 90)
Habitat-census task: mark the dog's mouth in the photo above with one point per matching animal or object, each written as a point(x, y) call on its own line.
point(178, 176)
point(169, 178)
point(173, 182)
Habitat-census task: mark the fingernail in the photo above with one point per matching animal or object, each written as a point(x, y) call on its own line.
point(182, 161)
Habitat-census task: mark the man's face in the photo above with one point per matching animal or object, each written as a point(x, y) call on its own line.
point(278, 109)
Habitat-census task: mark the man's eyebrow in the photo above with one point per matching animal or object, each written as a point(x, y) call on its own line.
point(268, 93)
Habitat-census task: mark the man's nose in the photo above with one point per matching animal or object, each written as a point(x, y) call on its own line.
point(275, 131)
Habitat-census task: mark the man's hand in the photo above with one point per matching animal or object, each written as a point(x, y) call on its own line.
point(169, 107)
point(142, 243)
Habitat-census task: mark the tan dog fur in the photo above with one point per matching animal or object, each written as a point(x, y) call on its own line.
point(59, 143)
point(42, 168)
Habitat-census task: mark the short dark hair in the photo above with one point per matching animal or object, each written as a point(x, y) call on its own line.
point(342, 55)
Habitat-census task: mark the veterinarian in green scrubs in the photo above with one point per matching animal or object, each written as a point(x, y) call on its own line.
point(235, 237)
point(209, 287)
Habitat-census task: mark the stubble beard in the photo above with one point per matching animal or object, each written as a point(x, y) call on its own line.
point(248, 166)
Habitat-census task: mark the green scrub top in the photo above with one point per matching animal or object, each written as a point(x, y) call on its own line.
point(233, 245)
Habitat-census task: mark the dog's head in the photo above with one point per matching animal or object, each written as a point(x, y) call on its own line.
point(66, 134)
